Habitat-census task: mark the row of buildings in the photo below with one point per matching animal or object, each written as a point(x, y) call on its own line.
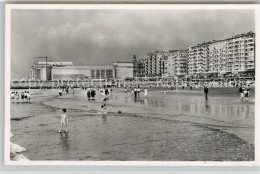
point(234, 55)
point(217, 58)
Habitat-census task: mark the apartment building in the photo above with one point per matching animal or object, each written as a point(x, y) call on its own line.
point(177, 63)
point(138, 67)
point(156, 64)
point(229, 56)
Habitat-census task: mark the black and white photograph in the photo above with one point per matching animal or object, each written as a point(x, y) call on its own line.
point(131, 84)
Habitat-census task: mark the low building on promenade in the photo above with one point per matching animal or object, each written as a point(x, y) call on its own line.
point(68, 71)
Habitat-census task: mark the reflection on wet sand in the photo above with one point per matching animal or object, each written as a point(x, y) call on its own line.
point(195, 106)
point(64, 138)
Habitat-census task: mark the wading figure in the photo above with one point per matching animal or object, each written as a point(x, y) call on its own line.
point(64, 120)
point(206, 91)
point(104, 108)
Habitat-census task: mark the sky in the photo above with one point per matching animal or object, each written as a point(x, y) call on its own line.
point(100, 37)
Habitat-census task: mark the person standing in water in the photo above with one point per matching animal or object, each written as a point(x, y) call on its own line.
point(104, 108)
point(64, 120)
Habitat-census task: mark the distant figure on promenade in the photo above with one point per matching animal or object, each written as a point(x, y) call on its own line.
point(145, 92)
point(138, 91)
point(73, 91)
point(206, 91)
point(104, 108)
point(125, 89)
point(241, 91)
point(190, 87)
point(246, 92)
point(22, 96)
point(64, 120)
point(135, 93)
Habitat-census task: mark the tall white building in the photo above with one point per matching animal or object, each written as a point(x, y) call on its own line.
point(232, 55)
point(177, 63)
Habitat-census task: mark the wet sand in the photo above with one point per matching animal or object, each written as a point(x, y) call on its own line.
point(172, 127)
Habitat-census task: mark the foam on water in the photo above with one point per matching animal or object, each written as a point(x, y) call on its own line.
point(15, 151)
point(20, 157)
point(15, 148)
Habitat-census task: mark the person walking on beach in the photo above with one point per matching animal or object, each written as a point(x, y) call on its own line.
point(206, 91)
point(138, 91)
point(28, 96)
point(64, 120)
point(145, 92)
point(89, 93)
point(246, 92)
point(135, 93)
point(60, 92)
point(93, 93)
point(241, 91)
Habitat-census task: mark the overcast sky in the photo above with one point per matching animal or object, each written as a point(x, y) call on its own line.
point(96, 36)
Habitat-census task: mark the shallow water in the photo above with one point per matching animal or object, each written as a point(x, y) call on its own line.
point(162, 127)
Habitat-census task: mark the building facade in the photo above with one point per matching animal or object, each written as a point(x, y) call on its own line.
point(43, 70)
point(83, 72)
point(156, 64)
point(123, 70)
point(66, 71)
point(138, 67)
point(177, 63)
point(229, 56)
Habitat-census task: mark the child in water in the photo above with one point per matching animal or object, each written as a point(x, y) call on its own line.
point(103, 107)
point(64, 120)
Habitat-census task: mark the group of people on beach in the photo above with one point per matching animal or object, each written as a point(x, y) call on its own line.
point(91, 93)
point(244, 92)
point(66, 90)
point(24, 96)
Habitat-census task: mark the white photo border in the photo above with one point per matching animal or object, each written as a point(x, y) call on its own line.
point(10, 7)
